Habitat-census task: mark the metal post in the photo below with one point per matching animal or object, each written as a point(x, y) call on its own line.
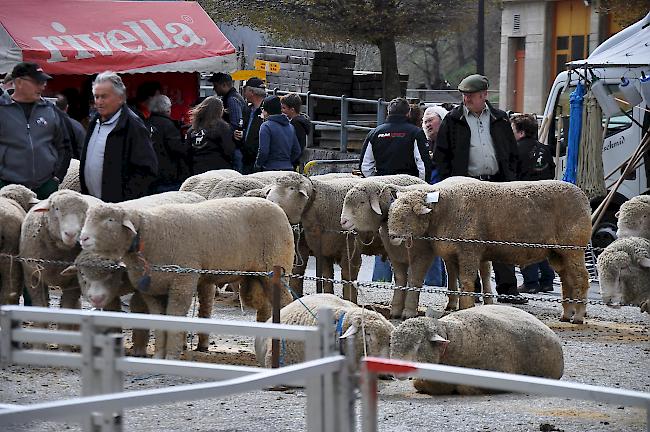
point(310, 114)
point(327, 334)
point(368, 399)
point(313, 385)
point(381, 112)
point(344, 123)
point(345, 382)
point(112, 379)
point(5, 337)
point(276, 286)
point(480, 38)
point(90, 378)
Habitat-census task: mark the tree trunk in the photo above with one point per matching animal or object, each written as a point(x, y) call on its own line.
point(389, 72)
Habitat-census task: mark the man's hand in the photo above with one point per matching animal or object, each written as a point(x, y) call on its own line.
point(238, 135)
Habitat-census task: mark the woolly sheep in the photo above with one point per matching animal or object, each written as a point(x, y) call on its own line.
point(71, 179)
point(507, 212)
point(491, 337)
point(103, 281)
point(634, 217)
point(235, 187)
point(318, 204)
point(203, 183)
point(252, 234)
point(624, 273)
point(350, 320)
point(15, 200)
point(365, 209)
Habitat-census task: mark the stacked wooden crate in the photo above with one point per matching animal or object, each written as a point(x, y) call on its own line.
point(303, 70)
point(368, 84)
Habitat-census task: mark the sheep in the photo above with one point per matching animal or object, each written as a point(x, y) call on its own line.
point(71, 180)
point(365, 209)
point(15, 200)
point(624, 272)
point(547, 212)
point(203, 183)
point(350, 319)
point(491, 337)
point(634, 217)
point(243, 234)
point(235, 187)
point(103, 281)
point(318, 204)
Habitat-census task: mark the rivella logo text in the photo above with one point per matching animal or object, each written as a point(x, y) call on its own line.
point(143, 35)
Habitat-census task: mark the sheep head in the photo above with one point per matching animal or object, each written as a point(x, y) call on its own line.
point(418, 339)
point(376, 336)
point(408, 216)
point(109, 230)
point(292, 193)
point(25, 197)
point(98, 278)
point(65, 213)
point(634, 218)
point(364, 207)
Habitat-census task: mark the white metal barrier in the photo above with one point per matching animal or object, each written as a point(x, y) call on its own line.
point(103, 364)
point(371, 367)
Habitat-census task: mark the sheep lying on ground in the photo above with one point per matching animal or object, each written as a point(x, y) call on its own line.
point(203, 183)
point(365, 209)
point(317, 204)
point(503, 212)
point(634, 217)
point(15, 200)
point(103, 281)
point(491, 337)
point(71, 179)
point(624, 273)
point(243, 234)
point(350, 320)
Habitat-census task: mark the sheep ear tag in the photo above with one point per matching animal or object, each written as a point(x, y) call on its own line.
point(41, 207)
point(432, 197)
point(438, 339)
point(374, 204)
point(128, 224)
point(349, 332)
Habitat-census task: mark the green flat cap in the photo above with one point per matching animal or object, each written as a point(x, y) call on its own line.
point(473, 83)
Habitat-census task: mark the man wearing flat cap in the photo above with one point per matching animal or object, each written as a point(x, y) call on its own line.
point(34, 146)
point(476, 140)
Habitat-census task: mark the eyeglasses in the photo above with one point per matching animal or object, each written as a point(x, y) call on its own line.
point(33, 81)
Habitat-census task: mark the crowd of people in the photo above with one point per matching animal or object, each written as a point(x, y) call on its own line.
point(131, 150)
point(474, 139)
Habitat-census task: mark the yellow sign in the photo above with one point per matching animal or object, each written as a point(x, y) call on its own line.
point(273, 67)
point(242, 75)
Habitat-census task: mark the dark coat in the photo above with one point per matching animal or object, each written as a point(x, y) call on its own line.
point(170, 149)
point(453, 142)
point(252, 137)
point(535, 161)
point(130, 163)
point(279, 148)
point(302, 126)
point(211, 149)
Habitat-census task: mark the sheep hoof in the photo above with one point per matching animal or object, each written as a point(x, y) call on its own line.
point(202, 349)
point(578, 321)
point(565, 319)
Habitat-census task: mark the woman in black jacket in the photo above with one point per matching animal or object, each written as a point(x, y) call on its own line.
point(210, 137)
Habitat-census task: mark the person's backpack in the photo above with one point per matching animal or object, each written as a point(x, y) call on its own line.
point(542, 165)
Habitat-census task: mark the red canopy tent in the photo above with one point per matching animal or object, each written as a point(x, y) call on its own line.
point(73, 38)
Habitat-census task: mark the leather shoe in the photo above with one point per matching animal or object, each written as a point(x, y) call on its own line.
point(546, 288)
point(528, 290)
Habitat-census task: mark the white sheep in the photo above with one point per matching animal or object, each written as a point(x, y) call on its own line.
point(235, 187)
point(203, 183)
point(365, 209)
point(15, 200)
point(317, 204)
point(509, 212)
point(634, 217)
point(624, 272)
point(491, 337)
point(71, 180)
point(349, 319)
point(242, 234)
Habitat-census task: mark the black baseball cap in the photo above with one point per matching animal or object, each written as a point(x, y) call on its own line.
point(31, 70)
point(272, 105)
point(255, 82)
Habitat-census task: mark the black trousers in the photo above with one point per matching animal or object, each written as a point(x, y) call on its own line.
point(505, 278)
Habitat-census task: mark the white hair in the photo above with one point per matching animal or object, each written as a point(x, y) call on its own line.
point(114, 79)
point(160, 104)
point(435, 110)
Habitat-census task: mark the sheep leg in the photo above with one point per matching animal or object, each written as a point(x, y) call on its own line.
point(417, 271)
point(485, 268)
point(206, 292)
point(327, 273)
point(300, 265)
point(179, 301)
point(349, 272)
point(452, 284)
point(156, 307)
point(400, 271)
point(12, 282)
point(70, 299)
point(139, 337)
point(467, 276)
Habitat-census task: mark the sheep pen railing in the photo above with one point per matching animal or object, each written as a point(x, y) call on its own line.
point(324, 373)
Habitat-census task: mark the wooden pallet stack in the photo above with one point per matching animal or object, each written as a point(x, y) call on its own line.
point(368, 85)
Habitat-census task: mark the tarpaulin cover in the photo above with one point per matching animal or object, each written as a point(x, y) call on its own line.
point(87, 37)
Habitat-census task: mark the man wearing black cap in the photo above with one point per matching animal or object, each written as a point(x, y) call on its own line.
point(279, 147)
point(254, 92)
point(476, 140)
point(235, 109)
point(34, 146)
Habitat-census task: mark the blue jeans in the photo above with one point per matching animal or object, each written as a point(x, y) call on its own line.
point(436, 275)
point(538, 275)
point(237, 161)
point(167, 187)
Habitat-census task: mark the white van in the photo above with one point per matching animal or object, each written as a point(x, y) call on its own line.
point(626, 54)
